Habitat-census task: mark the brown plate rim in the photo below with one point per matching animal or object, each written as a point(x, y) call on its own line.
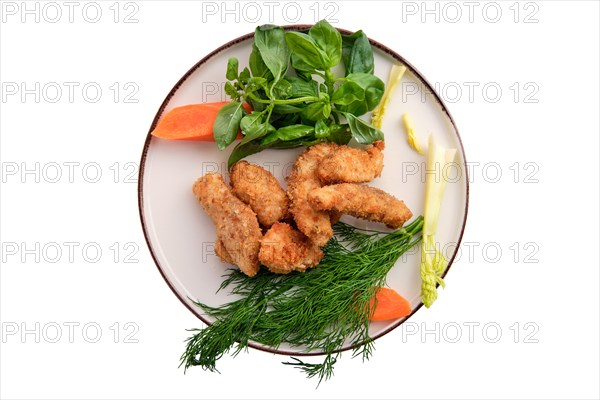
point(171, 93)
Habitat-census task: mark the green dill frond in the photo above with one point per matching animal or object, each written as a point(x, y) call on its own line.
point(322, 309)
point(323, 370)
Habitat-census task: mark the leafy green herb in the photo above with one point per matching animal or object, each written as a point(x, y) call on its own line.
point(321, 129)
point(357, 53)
point(340, 134)
point(244, 77)
point(282, 96)
point(322, 309)
point(348, 93)
point(316, 111)
point(258, 66)
point(329, 40)
point(307, 50)
point(232, 69)
point(282, 89)
point(283, 109)
point(371, 90)
point(244, 150)
point(303, 70)
point(293, 132)
point(270, 41)
point(253, 127)
point(227, 124)
point(231, 91)
point(302, 88)
point(362, 131)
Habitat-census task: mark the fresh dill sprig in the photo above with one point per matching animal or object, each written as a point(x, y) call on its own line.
point(323, 370)
point(321, 309)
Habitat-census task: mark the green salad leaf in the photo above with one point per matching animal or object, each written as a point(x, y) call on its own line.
point(357, 53)
point(362, 131)
point(329, 40)
point(296, 98)
point(227, 124)
point(270, 41)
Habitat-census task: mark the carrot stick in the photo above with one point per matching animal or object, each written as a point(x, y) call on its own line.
point(390, 305)
point(190, 122)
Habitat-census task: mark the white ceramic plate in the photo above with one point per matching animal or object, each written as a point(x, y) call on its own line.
point(181, 236)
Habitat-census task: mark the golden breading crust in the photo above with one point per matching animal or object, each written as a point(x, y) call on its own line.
point(313, 223)
point(352, 165)
point(335, 217)
point(221, 251)
point(258, 188)
point(237, 226)
point(362, 202)
point(284, 249)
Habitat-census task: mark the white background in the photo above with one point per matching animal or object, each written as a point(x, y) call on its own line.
point(547, 311)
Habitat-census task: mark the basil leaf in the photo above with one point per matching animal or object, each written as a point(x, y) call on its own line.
point(256, 83)
point(302, 88)
point(373, 88)
point(288, 145)
point(231, 91)
point(269, 139)
point(294, 132)
point(348, 93)
point(284, 109)
point(303, 70)
point(270, 41)
point(227, 124)
point(306, 50)
point(316, 111)
point(243, 150)
point(256, 105)
point(357, 53)
point(255, 129)
point(251, 124)
point(340, 134)
point(232, 69)
point(244, 76)
point(321, 129)
point(282, 89)
point(257, 65)
point(363, 132)
point(273, 142)
point(279, 121)
point(329, 40)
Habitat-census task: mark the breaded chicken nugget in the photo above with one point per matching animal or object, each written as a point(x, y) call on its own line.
point(348, 164)
point(221, 251)
point(284, 249)
point(258, 188)
point(335, 217)
point(362, 202)
point(313, 223)
point(237, 226)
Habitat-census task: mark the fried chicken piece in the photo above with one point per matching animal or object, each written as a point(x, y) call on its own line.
point(352, 165)
point(237, 226)
point(362, 202)
point(221, 251)
point(313, 223)
point(284, 249)
point(335, 217)
point(258, 188)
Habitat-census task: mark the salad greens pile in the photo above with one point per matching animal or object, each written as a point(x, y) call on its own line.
point(295, 97)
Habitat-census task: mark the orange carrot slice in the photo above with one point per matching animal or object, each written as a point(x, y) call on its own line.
point(390, 305)
point(191, 122)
